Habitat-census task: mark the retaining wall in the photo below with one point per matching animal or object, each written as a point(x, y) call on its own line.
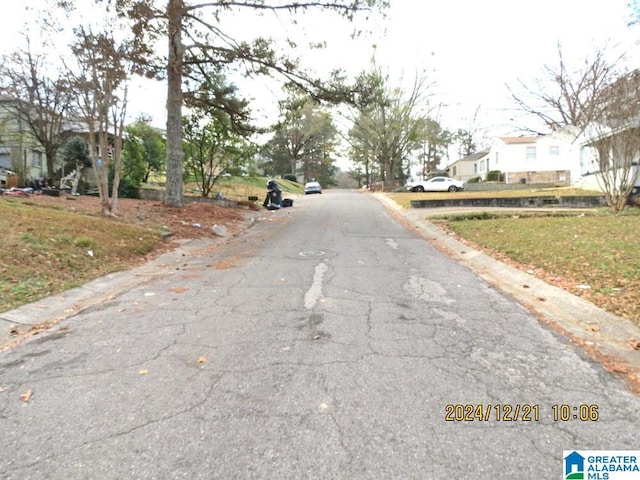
point(591, 201)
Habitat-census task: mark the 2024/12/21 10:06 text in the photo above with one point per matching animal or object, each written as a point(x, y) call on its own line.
point(525, 412)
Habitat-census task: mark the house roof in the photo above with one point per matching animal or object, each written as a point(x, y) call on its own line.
point(519, 140)
point(475, 156)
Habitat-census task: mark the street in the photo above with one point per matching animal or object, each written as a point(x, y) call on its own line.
point(327, 342)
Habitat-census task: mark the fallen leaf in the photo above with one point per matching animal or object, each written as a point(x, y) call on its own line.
point(178, 289)
point(143, 372)
point(619, 368)
point(3, 389)
point(202, 359)
point(634, 343)
point(593, 328)
point(26, 396)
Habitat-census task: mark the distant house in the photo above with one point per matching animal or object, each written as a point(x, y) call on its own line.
point(20, 152)
point(552, 158)
point(467, 167)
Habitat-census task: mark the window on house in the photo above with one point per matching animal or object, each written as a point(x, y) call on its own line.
point(5, 160)
point(36, 158)
point(531, 153)
point(475, 168)
point(454, 170)
point(497, 156)
point(554, 150)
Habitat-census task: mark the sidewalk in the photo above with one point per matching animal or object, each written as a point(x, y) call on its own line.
point(603, 335)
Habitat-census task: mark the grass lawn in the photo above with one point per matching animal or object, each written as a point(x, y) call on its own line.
point(47, 250)
point(241, 188)
point(593, 256)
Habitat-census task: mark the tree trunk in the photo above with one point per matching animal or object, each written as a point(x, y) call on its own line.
point(50, 155)
point(174, 187)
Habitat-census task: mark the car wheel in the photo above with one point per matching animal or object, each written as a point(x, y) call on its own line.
point(453, 188)
point(419, 188)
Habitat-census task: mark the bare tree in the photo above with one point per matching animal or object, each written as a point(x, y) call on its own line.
point(41, 98)
point(566, 97)
point(104, 68)
point(615, 140)
point(471, 137)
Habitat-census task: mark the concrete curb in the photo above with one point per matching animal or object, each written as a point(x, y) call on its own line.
point(17, 324)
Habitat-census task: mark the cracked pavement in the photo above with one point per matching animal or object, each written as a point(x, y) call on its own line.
point(324, 343)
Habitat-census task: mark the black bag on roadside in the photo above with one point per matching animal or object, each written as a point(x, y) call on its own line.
point(274, 196)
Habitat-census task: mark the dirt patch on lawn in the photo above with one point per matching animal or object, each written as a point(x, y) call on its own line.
point(193, 220)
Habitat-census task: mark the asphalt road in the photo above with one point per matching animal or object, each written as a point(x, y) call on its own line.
point(326, 343)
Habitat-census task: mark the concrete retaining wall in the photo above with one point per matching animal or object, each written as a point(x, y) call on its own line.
point(591, 201)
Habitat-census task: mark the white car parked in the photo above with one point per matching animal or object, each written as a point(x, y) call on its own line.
point(436, 184)
point(312, 187)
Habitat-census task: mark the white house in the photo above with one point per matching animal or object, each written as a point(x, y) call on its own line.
point(620, 164)
point(467, 167)
point(552, 158)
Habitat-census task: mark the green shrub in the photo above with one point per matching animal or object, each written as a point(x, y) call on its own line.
point(128, 188)
point(474, 180)
point(494, 176)
point(290, 176)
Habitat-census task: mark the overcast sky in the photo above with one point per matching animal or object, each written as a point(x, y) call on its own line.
point(471, 48)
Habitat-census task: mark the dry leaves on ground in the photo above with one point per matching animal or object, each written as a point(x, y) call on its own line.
point(156, 215)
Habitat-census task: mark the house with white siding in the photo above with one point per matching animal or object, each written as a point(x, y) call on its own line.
point(467, 167)
point(552, 158)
